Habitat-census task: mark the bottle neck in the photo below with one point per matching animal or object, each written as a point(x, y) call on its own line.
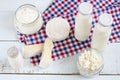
point(104, 25)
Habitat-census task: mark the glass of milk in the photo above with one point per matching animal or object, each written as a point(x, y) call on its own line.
point(28, 19)
point(90, 63)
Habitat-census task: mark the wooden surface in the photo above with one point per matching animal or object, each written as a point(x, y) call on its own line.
point(64, 69)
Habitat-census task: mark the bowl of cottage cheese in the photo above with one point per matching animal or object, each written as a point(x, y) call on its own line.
point(90, 63)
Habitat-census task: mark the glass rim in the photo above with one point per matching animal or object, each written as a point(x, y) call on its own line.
point(31, 6)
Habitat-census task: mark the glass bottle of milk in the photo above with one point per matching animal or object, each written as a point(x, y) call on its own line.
point(15, 58)
point(28, 19)
point(102, 32)
point(83, 21)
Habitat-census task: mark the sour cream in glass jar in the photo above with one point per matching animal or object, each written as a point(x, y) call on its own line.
point(28, 19)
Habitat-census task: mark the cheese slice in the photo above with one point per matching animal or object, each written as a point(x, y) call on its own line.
point(46, 54)
point(32, 50)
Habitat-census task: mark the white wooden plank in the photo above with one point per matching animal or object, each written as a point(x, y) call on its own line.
point(55, 77)
point(12, 5)
point(7, 30)
point(112, 59)
point(60, 66)
point(64, 66)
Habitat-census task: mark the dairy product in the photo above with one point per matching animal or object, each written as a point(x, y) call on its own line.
point(27, 14)
point(102, 32)
point(28, 20)
point(83, 21)
point(57, 29)
point(15, 58)
point(32, 50)
point(89, 62)
point(46, 57)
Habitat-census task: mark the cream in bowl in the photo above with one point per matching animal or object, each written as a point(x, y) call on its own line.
point(28, 19)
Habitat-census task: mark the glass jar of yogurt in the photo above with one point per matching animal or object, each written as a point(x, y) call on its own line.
point(28, 19)
point(90, 63)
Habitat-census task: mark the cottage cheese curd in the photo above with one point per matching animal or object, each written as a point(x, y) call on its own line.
point(90, 62)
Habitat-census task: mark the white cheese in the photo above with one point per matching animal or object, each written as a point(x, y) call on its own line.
point(90, 60)
point(32, 50)
point(57, 29)
point(46, 57)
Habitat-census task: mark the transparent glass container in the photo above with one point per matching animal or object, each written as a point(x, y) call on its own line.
point(15, 58)
point(87, 72)
point(33, 21)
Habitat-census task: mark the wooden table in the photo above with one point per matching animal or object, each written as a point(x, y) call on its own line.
point(64, 69)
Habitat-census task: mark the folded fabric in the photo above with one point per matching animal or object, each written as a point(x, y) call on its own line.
point(68, 10)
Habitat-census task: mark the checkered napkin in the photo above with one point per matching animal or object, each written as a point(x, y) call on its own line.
point(68, 9)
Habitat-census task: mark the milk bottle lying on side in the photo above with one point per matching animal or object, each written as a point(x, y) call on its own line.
point(83, 21)
point(102, 32)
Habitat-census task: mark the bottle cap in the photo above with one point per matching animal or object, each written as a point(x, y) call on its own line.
point(105, 19)
point(12, 52)
point(85, 8)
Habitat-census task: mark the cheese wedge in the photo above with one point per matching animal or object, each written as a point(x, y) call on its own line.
point(32, 50)
point(46, 53)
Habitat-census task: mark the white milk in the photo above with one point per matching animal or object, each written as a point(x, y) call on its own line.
point(102, 32)
point(15, 58)
point(83, 21)
point(28, 20)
